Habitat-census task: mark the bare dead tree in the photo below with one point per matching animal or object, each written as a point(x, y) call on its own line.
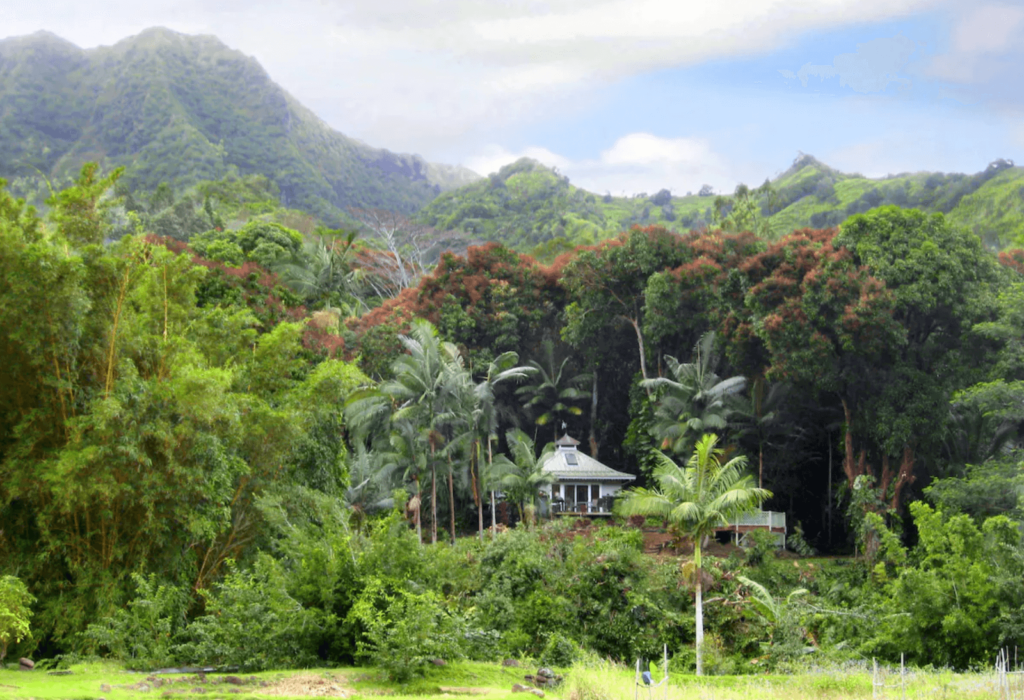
point(408, 250)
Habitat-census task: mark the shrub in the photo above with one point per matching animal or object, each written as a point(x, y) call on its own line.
point(14, 612)
point(761, 546)
point(404, 631)
point(559, 651)
point(143, 633)
point(253, 623)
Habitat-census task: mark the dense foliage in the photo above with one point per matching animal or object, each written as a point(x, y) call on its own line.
point(219, 445)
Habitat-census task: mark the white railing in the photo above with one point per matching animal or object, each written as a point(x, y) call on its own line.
point(761, 518)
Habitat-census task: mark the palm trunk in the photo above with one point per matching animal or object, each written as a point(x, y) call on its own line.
point(494, 511)
point(419, 508)
point(760, 466)
point(699, 608)
point(593, 417)
point(476, 491)
point(433, 496)
point(451, 496)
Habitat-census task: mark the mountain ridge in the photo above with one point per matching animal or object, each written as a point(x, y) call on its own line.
point(182, 108)
point(532, 207)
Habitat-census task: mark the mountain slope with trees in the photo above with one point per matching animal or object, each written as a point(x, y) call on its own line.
point(533, 208)
point(179, 109)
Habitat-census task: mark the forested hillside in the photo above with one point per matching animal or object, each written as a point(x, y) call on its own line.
point(534, 209)
point(258, 418)
point(179, 109)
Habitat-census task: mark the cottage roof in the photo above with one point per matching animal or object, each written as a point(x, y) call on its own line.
point(567, 463)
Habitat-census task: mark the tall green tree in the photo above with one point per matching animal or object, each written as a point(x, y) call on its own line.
point(606, 285)
point(699, 498)
point(943, 284)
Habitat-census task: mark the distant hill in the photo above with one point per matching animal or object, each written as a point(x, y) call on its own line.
point(533, 208)
point(182, 109)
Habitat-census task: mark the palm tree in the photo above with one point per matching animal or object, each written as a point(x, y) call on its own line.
point(484, 423)
point(523, 475)
point(550, 395)
point(695, 401)
point(699, 498)
point(423, 392)
point(425, 383)
point(323, 272)
point(758, 417)
point(372, 478)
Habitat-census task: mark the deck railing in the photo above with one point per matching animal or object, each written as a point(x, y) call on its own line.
point(769, 519)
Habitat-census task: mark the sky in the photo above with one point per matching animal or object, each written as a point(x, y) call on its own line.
point(624, 96)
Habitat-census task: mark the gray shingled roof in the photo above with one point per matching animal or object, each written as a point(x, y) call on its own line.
point(586, 468)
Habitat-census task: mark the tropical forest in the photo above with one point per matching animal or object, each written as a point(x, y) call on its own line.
point(272, 400)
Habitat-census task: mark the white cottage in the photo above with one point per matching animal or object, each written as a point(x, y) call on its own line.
point(583, 485)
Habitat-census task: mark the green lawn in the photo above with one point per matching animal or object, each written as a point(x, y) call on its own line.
point(494, 682)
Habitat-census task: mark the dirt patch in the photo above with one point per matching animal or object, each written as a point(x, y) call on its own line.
point(449, 690)
point(660, 543)
point(310, 685)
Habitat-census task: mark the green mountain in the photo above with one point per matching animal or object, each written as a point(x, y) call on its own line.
point(532, 207)
point(182, 109)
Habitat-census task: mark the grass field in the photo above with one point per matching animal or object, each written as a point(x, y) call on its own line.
point(592, 682)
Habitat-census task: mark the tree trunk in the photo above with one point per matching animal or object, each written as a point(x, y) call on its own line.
point(699, 608)
point(760, 466)
point(593, 417)
point(419, 508)
point(475, 464)
point(851, 468)
point(640, 341)
point(494, 511)
point(433, 496)
point(451, 496)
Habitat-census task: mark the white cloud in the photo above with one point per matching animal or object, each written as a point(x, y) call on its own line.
point(422, 75)
point(635, 163)
point(988, 29)
point(870, 68)
point(985, 55)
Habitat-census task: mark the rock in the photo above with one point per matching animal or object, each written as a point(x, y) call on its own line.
point(520, 688)
point(512, 663)
point(142, 687)
point(546, 673)
point(538, 693)
point(59, 673)
point(104, 688)
point(233, 680)
point(439, 662)
point(26, 664)
point(199, 690)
